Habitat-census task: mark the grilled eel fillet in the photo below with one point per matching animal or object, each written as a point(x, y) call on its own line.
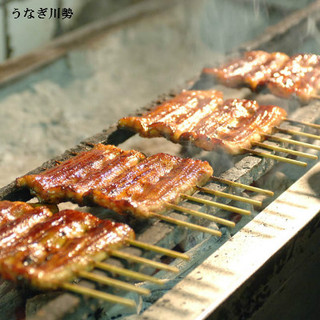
point(283, 75)
point(253, 69)
point(151, 184)
point(235, 125)
point(175, 116)
point(300, 75)
point(232, 125)
point(130, 183)
point(74, 177)
point(48, 249)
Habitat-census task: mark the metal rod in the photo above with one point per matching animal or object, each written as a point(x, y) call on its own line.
point(298, 133)
point(243, 186)
point(217, 205)
point(275, 157)
point(280, 149)
point(202, 215)
point(230, 196)
point(185, 224)
point(128, 273)
point(113, 282)
point(98, 294)
point(165, 251)
point(154, 264)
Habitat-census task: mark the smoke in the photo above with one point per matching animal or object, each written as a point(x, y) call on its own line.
point(227, 24)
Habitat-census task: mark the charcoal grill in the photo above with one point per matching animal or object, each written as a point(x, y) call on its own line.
point(232, 277)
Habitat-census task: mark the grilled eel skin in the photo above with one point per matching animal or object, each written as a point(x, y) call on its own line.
point(9, 211)
point(253, 69)
point(53, 250)
point(70, 180)
point(175, 116)
point(231, 125)
point(300, 75)
point(235, 125)
point(152, 183)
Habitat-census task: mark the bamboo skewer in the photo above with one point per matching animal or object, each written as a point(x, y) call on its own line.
point(280, 149)
point(128, 273)
point(113, 282)
point(229, 196)
point(154, 264)
point(298, 133)
point(217, 205)
point(98, 294)
point(243, 186)
point(202, 215)
point(185, 224)
point(165, 251)
point(275, 157)
point(291, 141)
point(309, 124)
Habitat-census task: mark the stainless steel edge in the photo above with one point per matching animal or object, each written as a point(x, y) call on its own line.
point(210, 284)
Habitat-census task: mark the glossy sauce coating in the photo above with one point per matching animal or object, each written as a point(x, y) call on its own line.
point(235, 125)
point(56, 248)
point(296, 71)
point(233, 73)
point(175, 116)
point(10, 231)
point(259, 76)
point(308, 86)
point(231, 125)
point(9, 211)
point(76, 176)
point(156, 180)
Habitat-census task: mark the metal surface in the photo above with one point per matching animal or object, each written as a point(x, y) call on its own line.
point(218, 277)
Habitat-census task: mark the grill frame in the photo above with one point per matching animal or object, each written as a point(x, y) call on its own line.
point(282, 230)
